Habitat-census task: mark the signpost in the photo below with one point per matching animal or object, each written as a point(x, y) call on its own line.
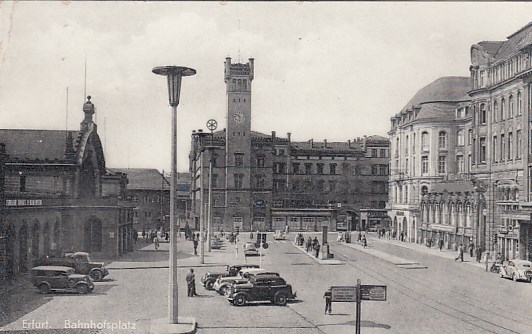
point(356, 294)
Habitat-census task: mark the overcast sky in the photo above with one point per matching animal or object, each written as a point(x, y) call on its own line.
point(332, 71)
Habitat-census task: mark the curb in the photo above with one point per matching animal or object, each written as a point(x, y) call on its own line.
point(184, 325)
point(330, 262)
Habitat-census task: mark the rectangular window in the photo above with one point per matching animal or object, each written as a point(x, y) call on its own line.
point(295, 168)
point(460, 163)
point(215, 180)
point(460, 137)
point(239, 160)
point(519, 144)
point(260, 161)
point(22, 183)
point(503, 148)
point(441, 164)
point(494, 149)
point(482, 153)
point(321, 185)
point(373, 153)
point(424, 165)
point(332, 169)
point(332, 185)
point(308, 168)
point(383, 153)
point(510, 145)
point(239, 181)
point(320, 168)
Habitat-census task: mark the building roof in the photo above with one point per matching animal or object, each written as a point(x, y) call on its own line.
point(143, 178)
point(501, 50)
point(37, 145)
point(445, 89)
point(333, 146)
point(441, 111)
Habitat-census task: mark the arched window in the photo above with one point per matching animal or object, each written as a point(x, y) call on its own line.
point(406, 145)
point(442, 139)
point(468, 215)
point(424, 190)
point(460, 137)
point(503, 115)
point(511, 106)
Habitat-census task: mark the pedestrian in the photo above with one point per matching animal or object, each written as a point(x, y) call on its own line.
point(364, 241)
point(471, 248)
point(478, 254)
point(309, 244)
point(317, 249)
point(402, 236)
point(460, 253)
point(359, 238)
point(156, 242)
point(166, 236)
point(135, 236)
point(328, 301)
point(195, 243)
point(191, 283)
point(440, 244)
point(487, 260)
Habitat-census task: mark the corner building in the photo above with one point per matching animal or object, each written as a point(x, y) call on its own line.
point(475, 174)
point(266, 182)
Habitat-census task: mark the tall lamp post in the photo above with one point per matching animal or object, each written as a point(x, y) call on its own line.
point(173, 75)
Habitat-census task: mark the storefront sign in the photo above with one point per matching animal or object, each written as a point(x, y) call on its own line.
point(23, 202)
point(399, 213)
point(377, 214)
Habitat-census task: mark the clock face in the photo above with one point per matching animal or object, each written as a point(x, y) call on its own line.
point(239, 117)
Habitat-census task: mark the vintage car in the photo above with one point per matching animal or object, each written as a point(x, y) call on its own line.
point(261, 288)
point(210, 277)
point(223, 284)
point(518, 270)
point(80, 261)
point(216, 243)
point(250, 249)
point(279, 235)
point(60, 278)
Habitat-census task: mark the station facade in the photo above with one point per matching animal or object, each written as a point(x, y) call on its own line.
point(57, 196)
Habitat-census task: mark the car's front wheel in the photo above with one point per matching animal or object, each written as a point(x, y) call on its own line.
point(223, 290)
point(280, 298)
point(96, 275)
point(82, 289)
point(209, 285)
point(239, 300)
point(44, 288)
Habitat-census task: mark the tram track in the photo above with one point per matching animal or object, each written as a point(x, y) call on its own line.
point(463, 314)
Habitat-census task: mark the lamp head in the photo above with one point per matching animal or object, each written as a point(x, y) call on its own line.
point(174, 75)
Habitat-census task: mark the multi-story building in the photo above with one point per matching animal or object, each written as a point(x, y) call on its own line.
point(267, 182)
point(148, 191)
point(58, 196)
point(472, 183)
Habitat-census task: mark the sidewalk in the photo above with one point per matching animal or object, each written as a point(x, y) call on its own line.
point(445, 253)
point(320, 261)
point(396, 260)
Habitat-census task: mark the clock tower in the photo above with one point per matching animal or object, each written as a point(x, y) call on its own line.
point(238, 79)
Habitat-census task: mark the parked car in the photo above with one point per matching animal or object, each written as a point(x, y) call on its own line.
point(279, 235)
point(518, 270)
point(60, 278)
point(250, 249)
point(80, 261)
point(223, 284)
point(232, 270)
point(216, 243)
point(261, 288)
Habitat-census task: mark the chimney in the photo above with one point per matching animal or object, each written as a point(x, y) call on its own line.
point(273, 135)
point(311, 143)
point(325, 143)
point(349, 143)
point(288, 135)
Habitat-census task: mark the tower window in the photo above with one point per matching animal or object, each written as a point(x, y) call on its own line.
point(239, 159)
point(239, 180)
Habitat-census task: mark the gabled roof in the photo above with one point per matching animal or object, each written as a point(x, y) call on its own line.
point(36, 145)
point(143, 178)
point(500, 50)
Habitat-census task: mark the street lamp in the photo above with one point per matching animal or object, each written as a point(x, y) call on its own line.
point(211, 125)
point(173, 75)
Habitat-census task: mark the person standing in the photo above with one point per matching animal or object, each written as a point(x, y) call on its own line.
point(364, 241)
point(317, 248)
point(487, 260)
point(309, 244)
point(328, 301)
point(471, 248)
point(478, 254)
point(195, 242)
point(460, 253)
point(440, 244)
point(191, 283)
point(156, 242)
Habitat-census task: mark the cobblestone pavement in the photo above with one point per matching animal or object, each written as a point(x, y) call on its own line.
point(445, 297)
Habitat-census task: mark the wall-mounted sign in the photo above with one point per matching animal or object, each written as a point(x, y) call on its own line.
point(23, 202)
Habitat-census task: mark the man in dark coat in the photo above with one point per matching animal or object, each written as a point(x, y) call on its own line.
point(328, 301)
point(191, 283)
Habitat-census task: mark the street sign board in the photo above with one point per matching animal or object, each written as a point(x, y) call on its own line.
point(344, 294)
point(373, 292)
